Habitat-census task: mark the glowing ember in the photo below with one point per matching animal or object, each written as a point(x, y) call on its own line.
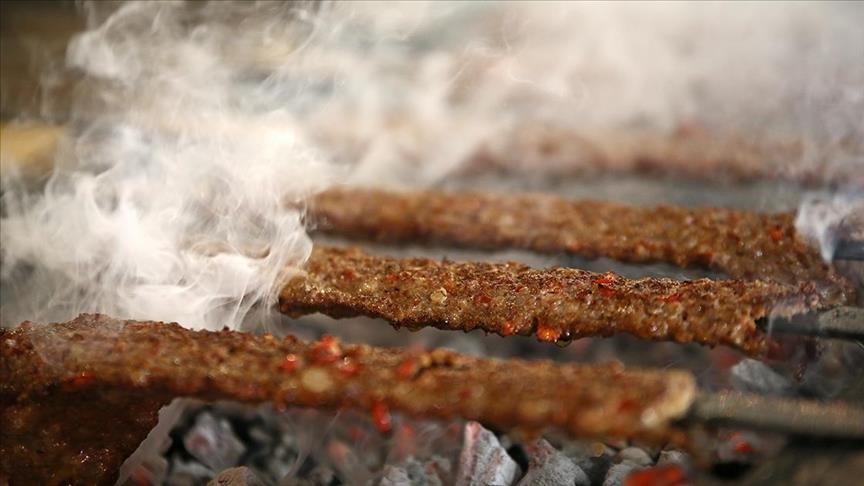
point(381, 417)
point(665, 475)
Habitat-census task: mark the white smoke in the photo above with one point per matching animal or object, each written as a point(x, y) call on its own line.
point(200, 128)
point(419, 87)
point(823, 217)
point(180, 195)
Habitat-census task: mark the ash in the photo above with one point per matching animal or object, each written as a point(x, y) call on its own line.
point(258, 445)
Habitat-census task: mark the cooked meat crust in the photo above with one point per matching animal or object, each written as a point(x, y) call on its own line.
point(95, 355)
point(557, 304)
point(549, 151)
point(741, 244)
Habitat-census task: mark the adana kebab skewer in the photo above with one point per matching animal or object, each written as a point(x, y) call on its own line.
point(557, 304)
point(60, 383)
point(54, 376)
point(740, 244)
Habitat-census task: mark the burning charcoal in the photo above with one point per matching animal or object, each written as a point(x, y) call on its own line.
point(755, 376)
point(188, 473)
point(395, 476)
point(667, 475)
point(634, 455)
point(274, 463)
point(348, 462)
point(740, 447)
point(672, 456)
point(420, 474)
point(618, 473)
point(548, 466)
point(212, 442)
point(317, 476)
point(594, 458)
point(828, 374)
point(595, 468)
point(483, 460)
point(236, 476)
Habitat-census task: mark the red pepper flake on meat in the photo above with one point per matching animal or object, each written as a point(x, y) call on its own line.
point(325, 351)
point(482, 298)
point(547, 333)
point(665, 475)
point(722, 312)
point(407, 368)
point(627, 405)
point(604, 279)
point(289, 363)
point(507, 328)
point(381, 418)
point(672, 298)
point(80, 380)
point(776, 233)
point(348, 367)
point(606, 291)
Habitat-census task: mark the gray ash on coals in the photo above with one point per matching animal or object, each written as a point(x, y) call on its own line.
point(306, 447)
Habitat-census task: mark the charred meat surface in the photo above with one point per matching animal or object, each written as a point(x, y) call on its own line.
point(71, 437)
point(94, 356)
point(741, 244)
point(557, 304)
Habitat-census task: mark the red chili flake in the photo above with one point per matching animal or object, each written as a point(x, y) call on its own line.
point(407, 369)
point(81, 379)
point(547, 333)
point(671, 298)
point(507, 328)
point(776, 233)
point(391, 278)
point(482, 299)
point(606, 291)
point(556, 286)
point(627, 404)
point(289, 363)
point(349, 367)
point(665, 475)
point(325, 351)
point(518, 288)
point(605, 279)
point(381, 417)
point(349, 274)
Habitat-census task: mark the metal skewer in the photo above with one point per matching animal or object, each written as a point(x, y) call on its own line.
point(840, 323)
point(836, 420)
point(849, 250)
